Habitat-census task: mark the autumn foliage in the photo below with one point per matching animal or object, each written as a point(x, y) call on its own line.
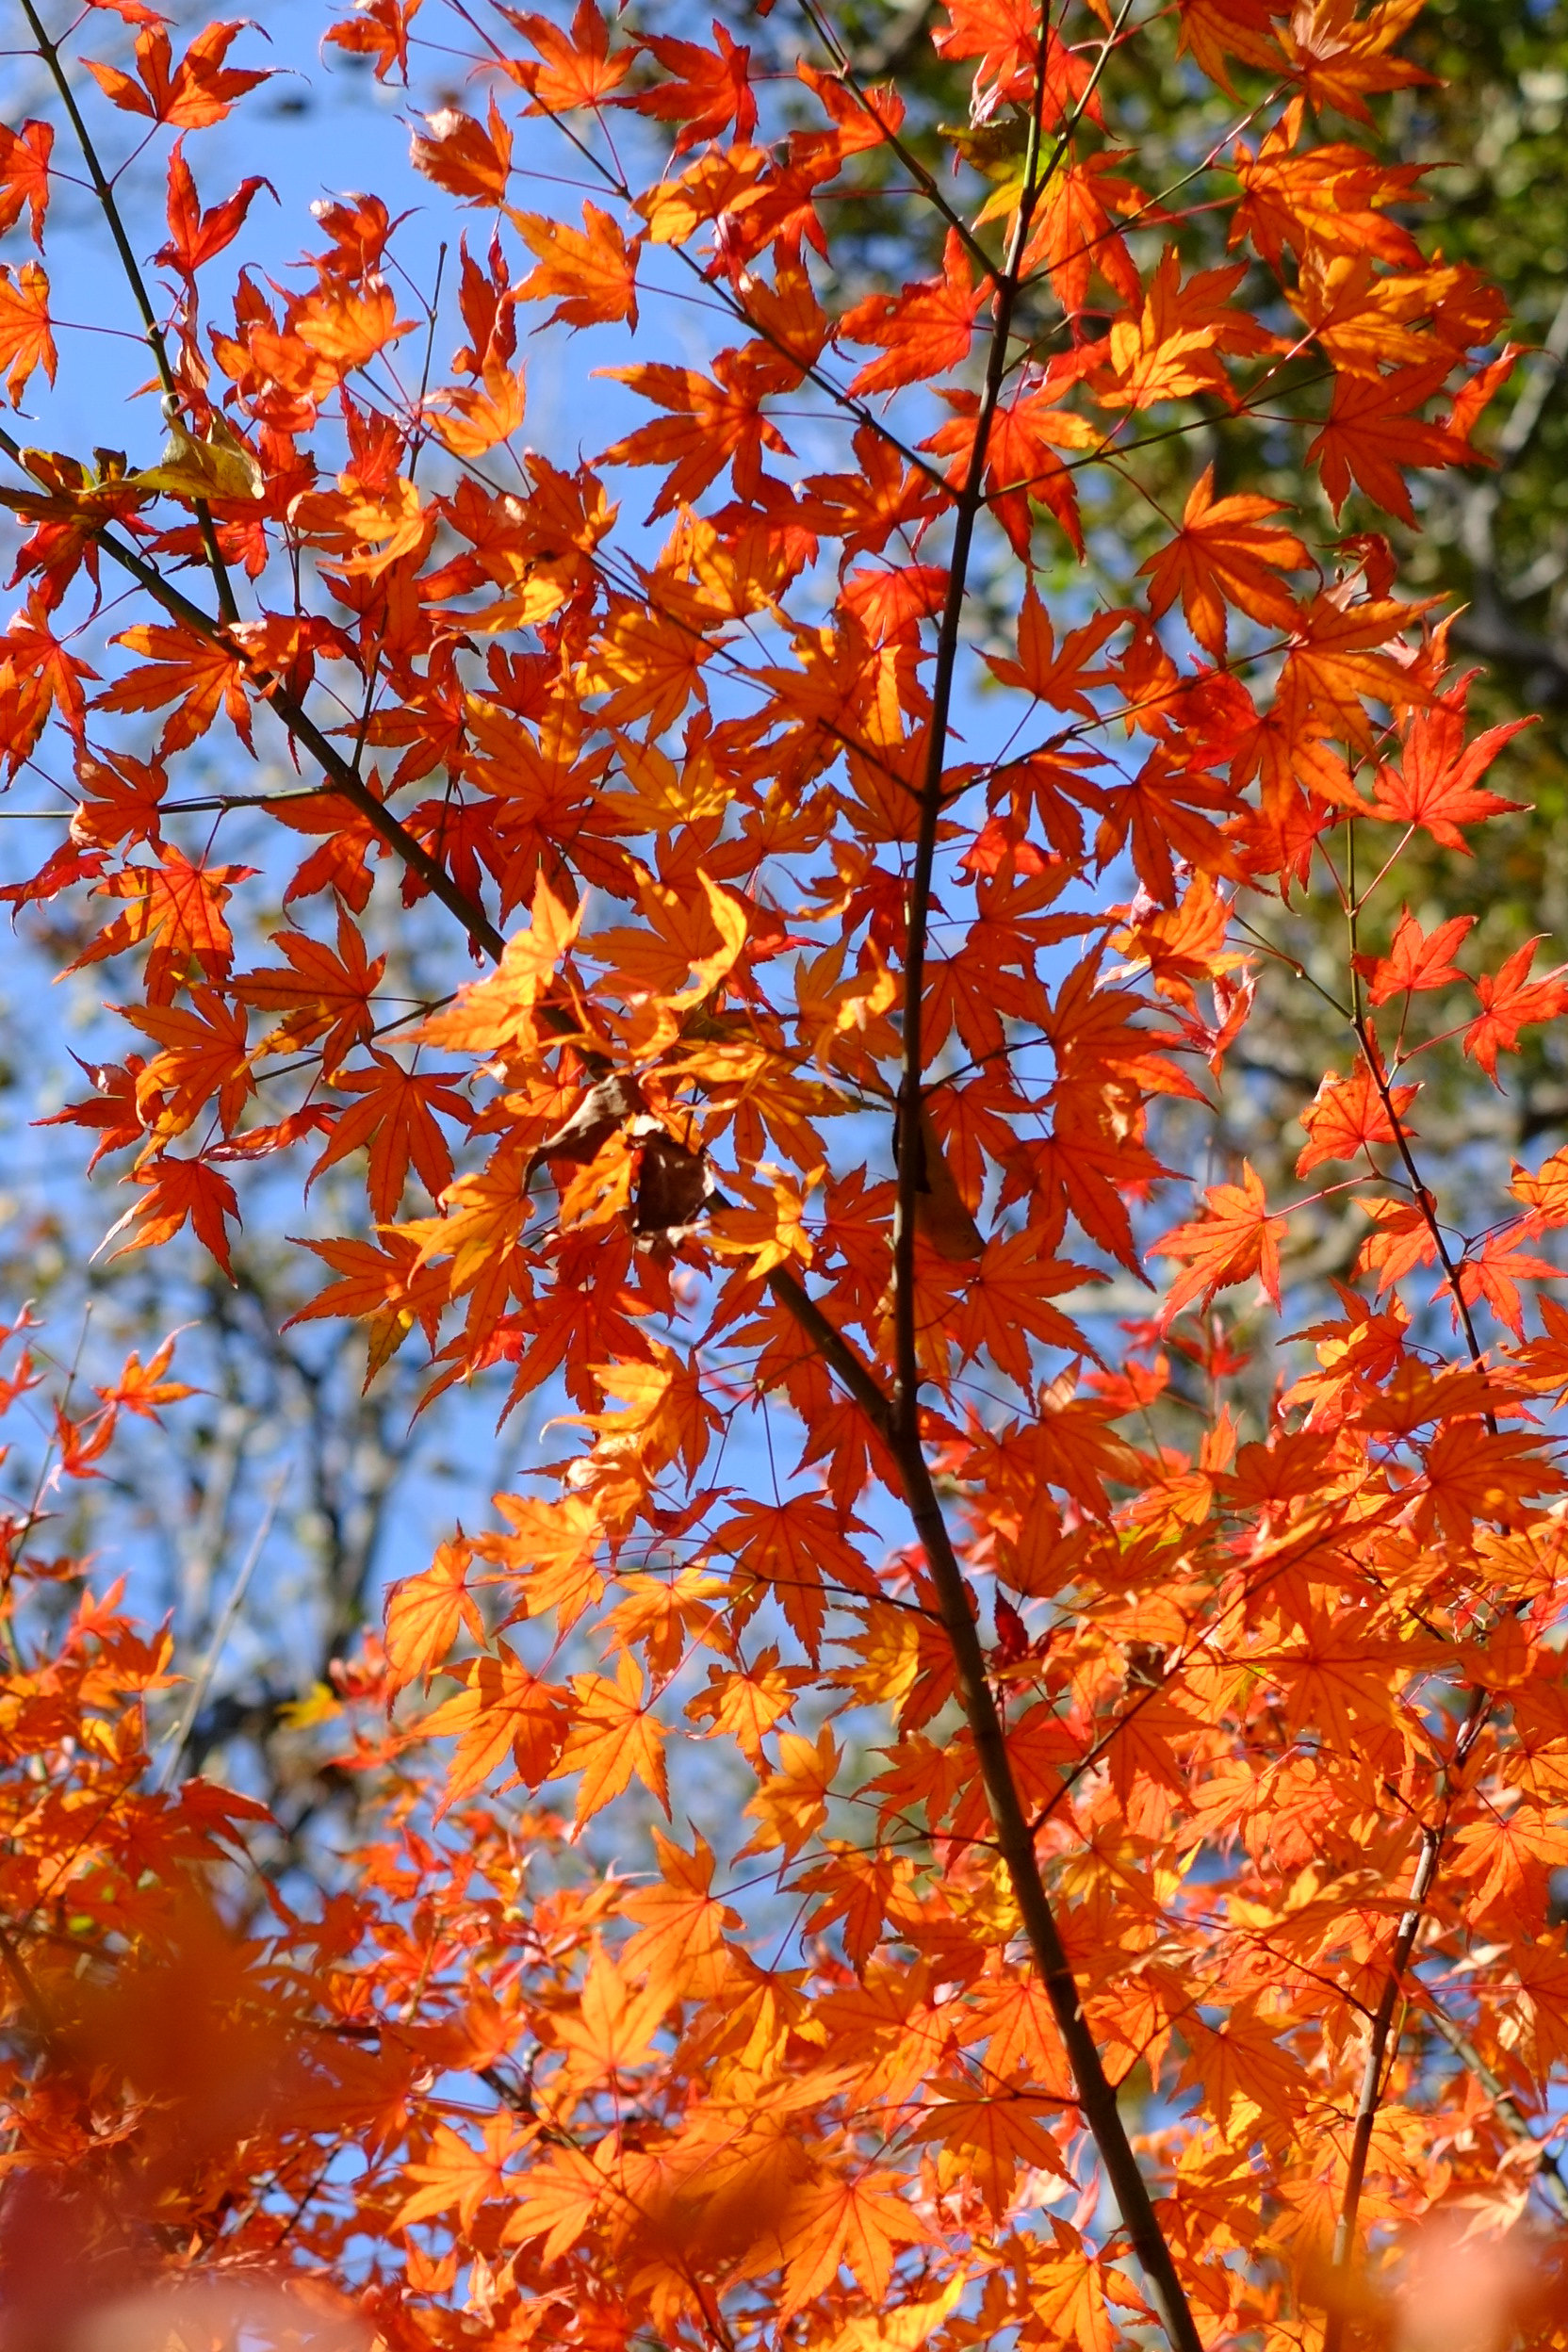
point(930, 1823)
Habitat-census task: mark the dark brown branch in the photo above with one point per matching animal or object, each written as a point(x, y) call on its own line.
point(340, 776)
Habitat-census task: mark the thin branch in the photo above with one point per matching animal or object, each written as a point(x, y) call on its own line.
point(102, 189)
point(1383, 2043)
point(340, 776)
point(201, 1681)
point(1511, 2115)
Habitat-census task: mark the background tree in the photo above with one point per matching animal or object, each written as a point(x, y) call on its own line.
point(760, 1033)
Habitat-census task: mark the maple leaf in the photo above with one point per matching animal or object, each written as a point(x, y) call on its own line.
point(1373, 434)
point(860, 2222)
point(1235, 1240)
point(578, 69)
point(458, 2175)
point(1340, 661)
point(1223, 556)
point(1342, 58)
point(612, 2030)
point(996, 2132)
point(388, 1284)
point(27, 343)
point(923, 331)
point(141, 1388)
point(1155, 810)
point(1007, 1305)
point(501, 1710)
point(423, 1615)
point(745, 1705)
point(380, 30)
point(793, 1801)
point(176, 912)
point(1472, 1472)
point(611, 1736)
point(1494, 1272)
point(395, 1122)
point(1212, 31)
point(196, 237)
point(180, 1192)
point(1052, 675)
point(25, 176)
point(199, 676)
point(711, 425)
point(682, 1926)
point(112, 1107)
point(461, 155)
point(1402, 1241)
point(203, 1053)
point(1511, 1001)
point(593, 270)
point(1349, 1115)
point(710, 91)
point(1416, 959)
point(347, 326)
point(793, 1549)
point(189, 96)
point(1435, 785)
point(327, 997)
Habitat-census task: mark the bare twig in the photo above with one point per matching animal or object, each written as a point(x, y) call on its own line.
point(201, 1681)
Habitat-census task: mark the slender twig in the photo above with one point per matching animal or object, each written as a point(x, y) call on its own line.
point(1383, 2042)
point(201, 1681)
point(1511, 2115)
point(102, 189)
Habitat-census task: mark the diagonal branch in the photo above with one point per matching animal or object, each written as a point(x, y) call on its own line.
point(341, 776)
point(103, 189)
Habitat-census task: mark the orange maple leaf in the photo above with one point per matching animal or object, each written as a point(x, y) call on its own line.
point(395, 1122)
point(189, 96)
point(996, 2132)
point(923, 331)
point(461, 155)
point(612, 1735)
point(179, 1193)
point(26, 342)
point(593, 270)
point(501, 1710)
point(326, 996)
point(1435, 785)
point(794, 1550)
point(457, 2175)
point(1416, 959)
point(204, 1053)
point(1221, 556)
point(423, 1615)
point(198, 676)
point(1233, 1240)
point(176, 912)
point(578, 69)
point(1511, 1001)
point(710, 91)
point(1346, 1115)
point(25, 176)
